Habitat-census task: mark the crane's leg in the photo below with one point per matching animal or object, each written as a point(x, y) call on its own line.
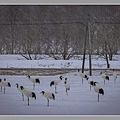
point(28, 101)
point(98, 97)
point(1, 88)
point(55, 89)
point(23, 96)
point(33, 86)
point(82, 80)
point(4, 90)
point(47, 102)
point(90, 87)
point(115, 79)
point(66, 92)
point(104, 81)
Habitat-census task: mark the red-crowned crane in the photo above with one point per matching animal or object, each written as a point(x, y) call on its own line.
point(98, 89)
point(28, 93)
point(67, 85)
point(114, 75)
point(48, 95)
point(19, 88)
point(104, 77)
point(4, 83)
point(91, 82)
point(55, 83)
point(82, 75)
point(33, 80)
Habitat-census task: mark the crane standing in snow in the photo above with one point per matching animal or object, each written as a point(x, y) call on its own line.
point(19, 88)
point(55, 83)
point(82, 75)
point(28, 93)
point(48, 95)
point(104, 76)
point(4, 83)
point(91, 82)
point(67, 85)
point(33, 80)
point(114, 75)
point(98, 90)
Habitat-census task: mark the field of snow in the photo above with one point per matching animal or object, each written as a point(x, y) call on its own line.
point(17, 61)
point(79, 101)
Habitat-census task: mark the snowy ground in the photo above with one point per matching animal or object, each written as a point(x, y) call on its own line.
point(80, 100)
point(16, 61)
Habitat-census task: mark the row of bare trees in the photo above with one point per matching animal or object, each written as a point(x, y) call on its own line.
point(58, 30)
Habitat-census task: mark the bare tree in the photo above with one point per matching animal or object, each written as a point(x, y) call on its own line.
point(58, 31)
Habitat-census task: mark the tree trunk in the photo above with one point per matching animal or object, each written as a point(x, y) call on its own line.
point(84, 51)
point(110, 56)
point(106, 57)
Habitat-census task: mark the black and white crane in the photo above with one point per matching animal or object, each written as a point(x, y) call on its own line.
point(33, 80)
point(28, 93)
point(98, 89)
point(1, 83)
point(19, 88)
point(4, 83)
point(82, 75)
point(48, 95)
point(104, 77)
point(114, 75)
point(91, 82)
point(67, 85)
point(55, 83)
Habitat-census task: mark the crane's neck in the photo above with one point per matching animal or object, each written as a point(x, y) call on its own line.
point(17, 85)
point(28, 76)
point(60, 77)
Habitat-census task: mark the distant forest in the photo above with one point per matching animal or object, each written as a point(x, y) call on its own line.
point(60, 30)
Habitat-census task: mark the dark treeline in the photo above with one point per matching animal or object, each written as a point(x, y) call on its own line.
point(59, 30)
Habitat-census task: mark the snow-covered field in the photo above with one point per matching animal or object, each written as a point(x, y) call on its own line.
point(79, 101)
point(17, 61)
